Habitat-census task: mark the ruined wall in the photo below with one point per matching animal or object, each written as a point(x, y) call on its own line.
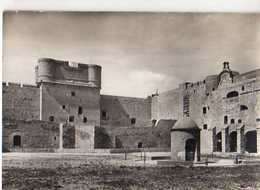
point(118, 111)
point(62, 101)
point(21, 102)
point(35, 135)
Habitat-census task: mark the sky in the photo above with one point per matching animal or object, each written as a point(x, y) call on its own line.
point(139, 52)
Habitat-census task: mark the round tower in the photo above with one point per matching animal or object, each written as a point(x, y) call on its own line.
point(94, 75)
point(45, 70)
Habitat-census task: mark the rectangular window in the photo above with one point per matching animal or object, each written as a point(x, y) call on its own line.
point(73, 93)
point(71, 118)
point(133, 120)
point(186, 105)
point(104, 115)
point(80, 110)
point(232, 121)
point(85, 120)
point(225, 119)
point(205, 126)
point(204, 110)
point(51, 118)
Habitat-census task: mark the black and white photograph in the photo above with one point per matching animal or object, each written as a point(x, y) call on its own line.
point(130, 100)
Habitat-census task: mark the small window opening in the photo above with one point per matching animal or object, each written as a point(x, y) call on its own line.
point(232, 121)
point(213, 89)
point(140, 145)
point(243, 88)
point(104, 115)
point(204, 110)
point(63, 106)
point(133, 120)
point(154, 122)
point(205, 126)
point(239, 121)
point(73, 93)
point(80, 110)
point(17, 140)
point(225, 119)
point(204, 81)
point(55, 138)
point(207, 94)
point(243, 107)
point(85, 119)
point(71, 118)
point(51, 118)
point(232, 94)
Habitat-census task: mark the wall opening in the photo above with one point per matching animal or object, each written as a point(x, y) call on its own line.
point(243, 107)
point(190, 148)
point(133, 120)
point(104, 115)
point(232, 94)
point(17, 141)
point(233, 141)
point(219, 142)
point(51, 118)
point(73, 93)
point(154, 122)
point(80, 110)
point(140, 145)
point(225, 119)
point(250, 142)
point(186, 105)
point(71, 118)
point(204, 110)
point(85, 119)
point(232, 121)
point(205, 126)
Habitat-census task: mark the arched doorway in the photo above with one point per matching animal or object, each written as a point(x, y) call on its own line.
point(250, 142)
point(190, 148)
point(233, 141)
point(17, 141)
point(219, 142)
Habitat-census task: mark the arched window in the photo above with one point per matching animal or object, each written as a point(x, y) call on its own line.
point(232, 121)
point(232, 94)
point(243, 107)
point(17, 141)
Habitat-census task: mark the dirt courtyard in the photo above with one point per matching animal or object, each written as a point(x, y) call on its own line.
point(98, 173)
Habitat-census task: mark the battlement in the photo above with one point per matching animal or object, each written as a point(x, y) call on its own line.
point(51, 70)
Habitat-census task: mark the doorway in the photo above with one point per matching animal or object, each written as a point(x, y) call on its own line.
point(190, 148)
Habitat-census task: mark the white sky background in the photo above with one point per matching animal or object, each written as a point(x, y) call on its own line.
point(138, 52)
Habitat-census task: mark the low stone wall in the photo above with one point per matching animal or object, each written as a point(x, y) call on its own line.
point(30, 136)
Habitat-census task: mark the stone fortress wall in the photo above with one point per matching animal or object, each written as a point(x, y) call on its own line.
point(225, 107)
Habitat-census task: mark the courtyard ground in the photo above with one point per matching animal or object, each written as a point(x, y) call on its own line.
point(104, 171)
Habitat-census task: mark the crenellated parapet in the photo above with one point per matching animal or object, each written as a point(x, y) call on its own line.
point(57, 71)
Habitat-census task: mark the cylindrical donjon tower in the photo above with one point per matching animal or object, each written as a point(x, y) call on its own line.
point(45, 70)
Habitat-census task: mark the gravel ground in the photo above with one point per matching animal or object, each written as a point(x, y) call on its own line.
point(105, 176)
